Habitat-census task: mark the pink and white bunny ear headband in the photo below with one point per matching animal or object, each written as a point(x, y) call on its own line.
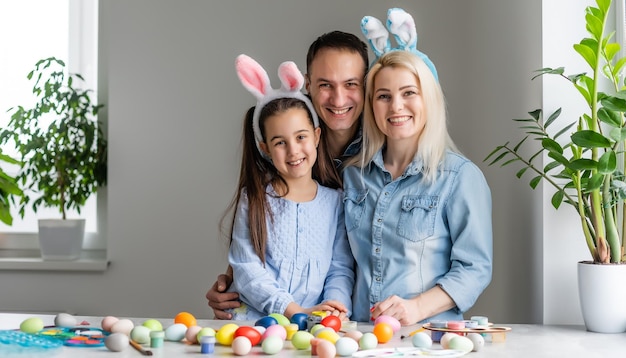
point(254, 78)
point(402, 26)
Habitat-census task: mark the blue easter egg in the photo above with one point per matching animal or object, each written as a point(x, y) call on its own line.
point(301, 320)
point(266, 321)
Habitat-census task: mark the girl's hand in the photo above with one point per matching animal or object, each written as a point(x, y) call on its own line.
point(331, 307)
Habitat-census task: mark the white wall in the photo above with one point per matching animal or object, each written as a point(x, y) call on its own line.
point(175, 108)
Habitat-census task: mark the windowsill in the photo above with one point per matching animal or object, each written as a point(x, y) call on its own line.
point(30, 260)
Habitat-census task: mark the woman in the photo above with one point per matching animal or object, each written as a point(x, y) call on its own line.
point(418, 213)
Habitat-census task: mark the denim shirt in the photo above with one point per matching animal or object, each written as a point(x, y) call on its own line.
point(407, 235)
point(353, 148)
point(307, 258)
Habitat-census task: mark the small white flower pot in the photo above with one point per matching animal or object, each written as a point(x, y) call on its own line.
point(61, 239)
point(602, 290)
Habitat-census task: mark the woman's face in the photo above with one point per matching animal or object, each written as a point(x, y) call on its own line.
point(398, 104)
point(291, 142)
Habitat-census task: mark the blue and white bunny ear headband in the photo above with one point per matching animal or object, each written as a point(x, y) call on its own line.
point(402, 26)
point(254, 78)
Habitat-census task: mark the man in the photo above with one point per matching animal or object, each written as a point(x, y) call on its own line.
point(336, 66)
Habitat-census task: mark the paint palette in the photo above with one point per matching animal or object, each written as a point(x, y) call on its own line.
point(13, 342)
point(83, 336)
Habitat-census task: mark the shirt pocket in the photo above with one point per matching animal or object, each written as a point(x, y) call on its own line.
point(417, 217)
point(354, 206)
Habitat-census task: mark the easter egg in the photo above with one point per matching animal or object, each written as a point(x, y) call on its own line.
point(383, 332)
point(272, 345)
point(186, 318)
point(368, 341)
point(124, 325)
point(477, 339)
point(116, 342)
point(275, 330)
point(65, 320)
point(346, 346)
point(301, 340)
point(280, 319)
point(354, 334)
point(333, 322)
point(107, 322)
point(205, 331)
point(326, 349)
point(226, 334)
point(241, 346)
point(392, 321)
point(140, 334)
point(153, 324)
point(327, 335)
point(445, 339)
point(316, 328)
point(266, 321)
point(192, 334)
point(461, 343)
point(421, 340)
point(175, 332)
point(253, 335)
point(301, 320)
point(31, 325)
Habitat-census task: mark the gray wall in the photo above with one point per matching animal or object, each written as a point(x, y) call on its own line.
point(175, 108)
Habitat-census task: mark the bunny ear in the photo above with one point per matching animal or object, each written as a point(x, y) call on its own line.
point(252, 76)
point(376, 34)
point(290, 77)
point(402, 26)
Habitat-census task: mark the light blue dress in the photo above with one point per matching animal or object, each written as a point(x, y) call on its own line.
point(308, 257)
point(408, 235)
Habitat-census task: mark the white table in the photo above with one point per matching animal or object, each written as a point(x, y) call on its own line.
point(524, 340)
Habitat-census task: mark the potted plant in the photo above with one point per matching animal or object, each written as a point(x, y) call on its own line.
point(62, 150)
point(585, 167)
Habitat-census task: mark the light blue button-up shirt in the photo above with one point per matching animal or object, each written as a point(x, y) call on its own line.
point(307, 259)
point(407, 235)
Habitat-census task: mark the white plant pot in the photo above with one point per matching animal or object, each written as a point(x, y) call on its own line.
point(61, 239)
point(602, 293)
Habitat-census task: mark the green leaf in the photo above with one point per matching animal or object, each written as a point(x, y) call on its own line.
point(607, 163)
point(583, 164)
point(613, 103)
point(552, 117)
point(590, 139)
point(551, 145)
point(611, 50)
point(535, 181)
point(595, 182)
point(587, 53)
point(557, 199)
point(609, 117)
point(559, 158)
point(551, 166)
point(521, 172)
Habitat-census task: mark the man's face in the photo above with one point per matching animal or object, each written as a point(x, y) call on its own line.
point(335, 83)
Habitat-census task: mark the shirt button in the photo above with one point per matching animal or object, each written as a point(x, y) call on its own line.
point(378, 278)
point(379, 220)
point(386, 193)
point(377, 250)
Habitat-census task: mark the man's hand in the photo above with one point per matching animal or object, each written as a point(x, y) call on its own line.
point(220, 300)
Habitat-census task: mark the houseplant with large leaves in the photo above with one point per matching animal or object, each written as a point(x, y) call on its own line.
point(585, 158)
point(60, 143)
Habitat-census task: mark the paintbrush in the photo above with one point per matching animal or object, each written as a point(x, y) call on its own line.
point(140, 349)
point(412, 333)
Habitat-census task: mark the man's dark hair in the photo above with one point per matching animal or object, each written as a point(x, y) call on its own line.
point(337, 40)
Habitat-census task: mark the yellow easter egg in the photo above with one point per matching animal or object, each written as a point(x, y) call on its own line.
point(226, 334)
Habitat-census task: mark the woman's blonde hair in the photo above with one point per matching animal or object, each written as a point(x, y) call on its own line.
point(434, 140)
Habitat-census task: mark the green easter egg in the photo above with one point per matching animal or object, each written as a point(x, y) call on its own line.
point(301, 340)
point(153, 324)
point(281, 319)
point(31, 325)
point(461, 343)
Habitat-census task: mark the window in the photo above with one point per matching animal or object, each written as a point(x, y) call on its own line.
point(29, 31)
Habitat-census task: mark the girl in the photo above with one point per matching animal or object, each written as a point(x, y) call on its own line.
point(289, 252)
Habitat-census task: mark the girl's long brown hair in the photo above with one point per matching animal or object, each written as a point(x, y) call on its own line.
point(256, 173)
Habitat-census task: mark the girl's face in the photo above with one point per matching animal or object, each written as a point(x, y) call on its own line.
point(291, 142)
point(398, 104)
